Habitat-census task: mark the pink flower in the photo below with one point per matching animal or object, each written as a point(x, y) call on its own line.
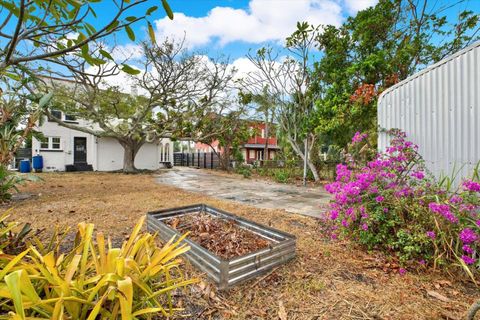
point(364, 227)
point(467, 235)
point(431, 234)
point(468, 260)
point(444, 210)
point(333, 214)
point(379, 199)
point(402, 271)
point(358, 137)
point(418, 174)
point(467, 249)
point(472, 186)
point(456, 199)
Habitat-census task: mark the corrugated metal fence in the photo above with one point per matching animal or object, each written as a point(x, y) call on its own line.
point(439, 109)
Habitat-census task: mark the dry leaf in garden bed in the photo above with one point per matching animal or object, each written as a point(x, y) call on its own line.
point(438, 296)
point(221, 236)
point(282, 313)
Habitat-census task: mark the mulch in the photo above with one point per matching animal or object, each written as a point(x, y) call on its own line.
point(220, 236)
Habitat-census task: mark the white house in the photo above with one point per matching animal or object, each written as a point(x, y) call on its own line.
point(70, 150)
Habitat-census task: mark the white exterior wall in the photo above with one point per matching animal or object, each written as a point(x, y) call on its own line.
point(439, 109)
point(104, 154)
point(109, 155)
point(55, 160)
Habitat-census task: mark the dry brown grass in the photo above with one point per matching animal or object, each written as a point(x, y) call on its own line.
point(326, 281)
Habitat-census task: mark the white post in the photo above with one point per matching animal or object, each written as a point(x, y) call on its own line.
point(305, 163)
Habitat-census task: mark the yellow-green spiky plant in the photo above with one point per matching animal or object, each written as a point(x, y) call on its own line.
point(94, 280)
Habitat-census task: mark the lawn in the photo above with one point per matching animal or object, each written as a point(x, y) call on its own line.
point(327, 280)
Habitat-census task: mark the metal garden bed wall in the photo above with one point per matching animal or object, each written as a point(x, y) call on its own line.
point(227, 273)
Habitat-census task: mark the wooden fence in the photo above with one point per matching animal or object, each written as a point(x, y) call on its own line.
point(207, 160)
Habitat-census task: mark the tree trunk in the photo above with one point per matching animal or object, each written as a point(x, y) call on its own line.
point(299, 152)
point(225, 159)
point(130, 150)
point(265, 152)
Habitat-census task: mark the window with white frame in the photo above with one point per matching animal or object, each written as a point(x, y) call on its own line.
point(50, 143)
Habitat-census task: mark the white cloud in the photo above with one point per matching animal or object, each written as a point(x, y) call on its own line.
point(353, 6)
point(264, 20)
point(127, 51)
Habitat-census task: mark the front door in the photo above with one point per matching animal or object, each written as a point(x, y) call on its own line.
point(79, 150)
point(260, 154)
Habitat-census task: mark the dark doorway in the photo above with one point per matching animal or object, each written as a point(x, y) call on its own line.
point(79, 150)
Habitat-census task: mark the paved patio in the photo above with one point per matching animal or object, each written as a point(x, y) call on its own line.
point(258, 193)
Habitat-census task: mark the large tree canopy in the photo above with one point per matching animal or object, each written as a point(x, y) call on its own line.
point(43, 31)
point(374, 50)
point(176, 90)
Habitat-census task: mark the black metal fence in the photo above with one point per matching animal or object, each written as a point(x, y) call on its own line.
point(207, 160)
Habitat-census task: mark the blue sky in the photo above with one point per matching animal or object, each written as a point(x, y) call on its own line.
point(232, 27)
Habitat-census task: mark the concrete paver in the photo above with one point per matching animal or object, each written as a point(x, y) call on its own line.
point(262, 194)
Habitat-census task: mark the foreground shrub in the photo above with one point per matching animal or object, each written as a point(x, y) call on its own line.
point(390, 202)
point(281, 175)
point(12, 242)
point(94, 280)
point(10, 181)
point(244, 170)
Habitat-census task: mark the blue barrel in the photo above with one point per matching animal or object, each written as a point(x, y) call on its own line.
point(25, 166)
point(37, 163)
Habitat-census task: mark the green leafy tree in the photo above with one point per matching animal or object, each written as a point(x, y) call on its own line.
point(42, 31)
point(230, 129)
point(374, 50)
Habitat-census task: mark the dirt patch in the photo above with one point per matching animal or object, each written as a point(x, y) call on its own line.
point(222, 237)
point(327, 280)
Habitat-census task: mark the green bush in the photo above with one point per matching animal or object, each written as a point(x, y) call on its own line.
point(281, 175)
point(245, 171)
point(94, 280)
point(9, 182)
point(390, 202)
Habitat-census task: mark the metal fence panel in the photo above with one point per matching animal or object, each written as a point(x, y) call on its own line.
point(206, 160)
point(439, 109)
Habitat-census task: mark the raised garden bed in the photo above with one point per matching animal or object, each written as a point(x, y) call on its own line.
point(228, 248)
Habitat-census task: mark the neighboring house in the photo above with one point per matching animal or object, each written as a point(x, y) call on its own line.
point(254, 148)
point(65, 149)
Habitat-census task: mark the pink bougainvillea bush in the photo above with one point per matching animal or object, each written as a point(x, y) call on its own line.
point(390, 202)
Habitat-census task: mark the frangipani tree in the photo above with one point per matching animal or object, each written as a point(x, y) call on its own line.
point(286, 81)
point(176, 90)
